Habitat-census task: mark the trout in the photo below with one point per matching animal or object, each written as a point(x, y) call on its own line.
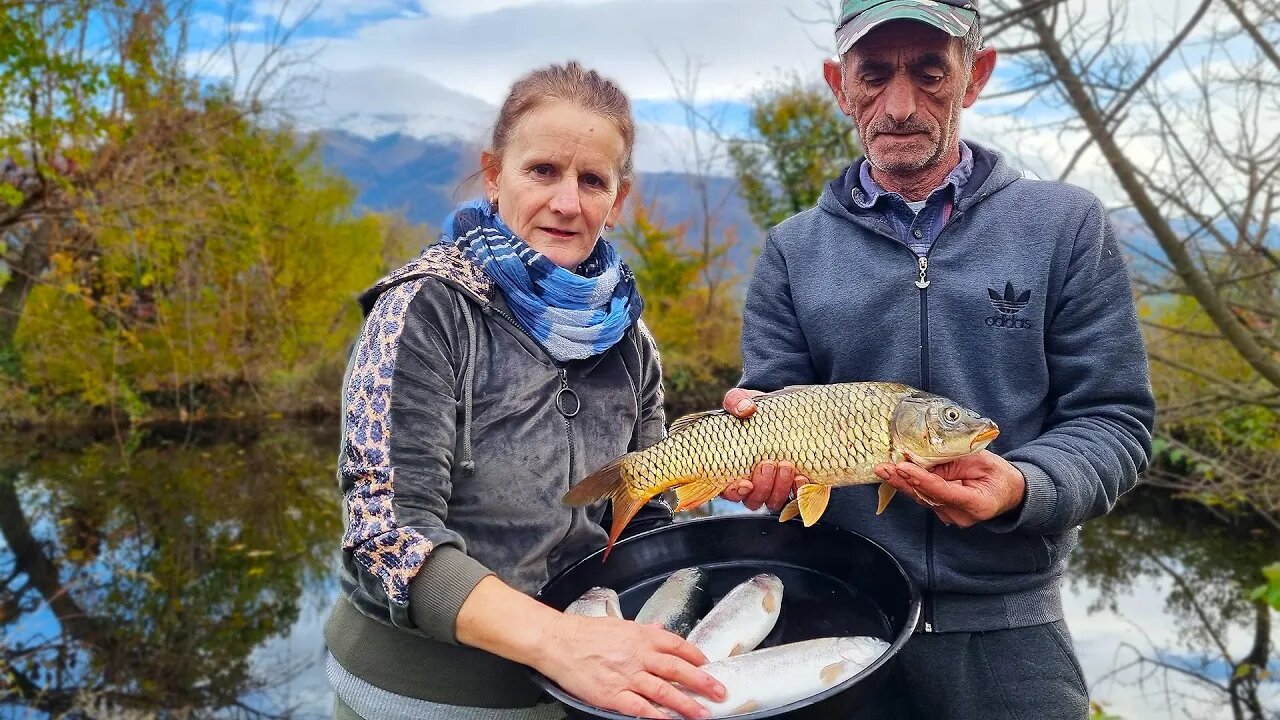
point(741, 621)
point(772, 677)
point(596, 602)
point(834, 434)
point(678, 603)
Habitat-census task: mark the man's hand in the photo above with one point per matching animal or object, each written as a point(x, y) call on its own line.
point(771, 481)
point(963, 492)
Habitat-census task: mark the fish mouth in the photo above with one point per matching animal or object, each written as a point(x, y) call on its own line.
point(987, 435)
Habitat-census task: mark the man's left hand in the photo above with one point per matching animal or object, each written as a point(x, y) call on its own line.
point(963, 492)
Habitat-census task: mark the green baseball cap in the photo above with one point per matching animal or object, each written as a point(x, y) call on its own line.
point(858, 17)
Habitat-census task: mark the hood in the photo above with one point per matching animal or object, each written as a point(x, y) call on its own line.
point(442, 261)
point(990, 175)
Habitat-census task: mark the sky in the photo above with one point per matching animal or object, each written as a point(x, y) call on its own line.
point(374, 66)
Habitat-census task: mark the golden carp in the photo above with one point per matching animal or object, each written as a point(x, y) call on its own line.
point(834, 434)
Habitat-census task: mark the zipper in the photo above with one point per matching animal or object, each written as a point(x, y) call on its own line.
point(568, 404)
point(922, 282)
point(567, 401)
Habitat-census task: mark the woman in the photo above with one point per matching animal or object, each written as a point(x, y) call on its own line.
point(493, 372)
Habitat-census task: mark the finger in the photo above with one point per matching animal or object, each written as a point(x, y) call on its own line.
point(762, 481)
point(782, 487)
point(738, 402)
point(672, 644)
point(664, 694)
point(675, 670)
point(884, 470)
point(630, 703)
point(953, 495)
point(737, 492)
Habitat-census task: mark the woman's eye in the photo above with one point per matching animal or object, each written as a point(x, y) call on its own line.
point(543, 170)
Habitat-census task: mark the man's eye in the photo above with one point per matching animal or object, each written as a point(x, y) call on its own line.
point(874, 80)
point(594, 181)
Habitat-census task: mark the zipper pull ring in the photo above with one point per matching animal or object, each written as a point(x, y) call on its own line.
point(923, 282)
point(567, 401)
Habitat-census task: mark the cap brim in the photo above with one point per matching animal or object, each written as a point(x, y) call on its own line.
point(952, 20)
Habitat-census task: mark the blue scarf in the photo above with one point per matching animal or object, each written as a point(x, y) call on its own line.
point(572, 315)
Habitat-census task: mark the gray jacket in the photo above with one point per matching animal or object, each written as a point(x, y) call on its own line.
point(460, 436)
point(1027, 317)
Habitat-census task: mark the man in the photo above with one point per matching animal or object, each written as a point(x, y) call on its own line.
point(931, 262)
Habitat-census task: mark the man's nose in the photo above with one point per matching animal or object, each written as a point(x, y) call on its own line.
point(566, 201)
point(900, 100)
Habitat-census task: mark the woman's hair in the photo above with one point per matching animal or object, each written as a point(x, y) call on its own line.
point(570, 83)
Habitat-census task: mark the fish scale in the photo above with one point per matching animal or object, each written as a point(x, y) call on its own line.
point(833, 434)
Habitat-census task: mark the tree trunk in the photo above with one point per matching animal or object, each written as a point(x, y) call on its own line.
point(36, 250)
point(1201, 287)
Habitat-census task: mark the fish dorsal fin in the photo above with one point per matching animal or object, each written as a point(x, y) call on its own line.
point(784, 391)
point(685, 422)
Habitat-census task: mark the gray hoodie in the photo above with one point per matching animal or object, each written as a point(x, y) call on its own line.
point(460, 436)
point(1028, 318)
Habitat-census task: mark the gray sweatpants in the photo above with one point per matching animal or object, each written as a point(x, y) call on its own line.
point(1028, 673)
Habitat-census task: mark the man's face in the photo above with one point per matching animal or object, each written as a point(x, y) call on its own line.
point(904, 85)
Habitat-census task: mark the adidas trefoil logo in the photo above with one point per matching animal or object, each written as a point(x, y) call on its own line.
point(1008, 305)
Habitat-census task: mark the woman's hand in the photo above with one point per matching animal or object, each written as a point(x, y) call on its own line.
point(626, 667)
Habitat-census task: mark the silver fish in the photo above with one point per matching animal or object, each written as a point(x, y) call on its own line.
point(678, 603)
point(772, 677)
point(740, 621)
point(596, 602)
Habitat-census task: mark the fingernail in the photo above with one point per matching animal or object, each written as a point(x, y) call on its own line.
point(786, 472)
point(742, 406)
point(904, 474)
point(768, 470)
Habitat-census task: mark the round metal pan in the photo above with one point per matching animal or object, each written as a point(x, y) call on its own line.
point(836, 582)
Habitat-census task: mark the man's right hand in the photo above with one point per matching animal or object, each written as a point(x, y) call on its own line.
point(626, 667)
point(771, 481)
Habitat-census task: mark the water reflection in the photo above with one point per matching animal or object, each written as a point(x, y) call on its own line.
point(190, 573)
point(140, 574)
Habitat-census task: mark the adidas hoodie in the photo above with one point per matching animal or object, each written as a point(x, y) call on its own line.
point(1026, 316)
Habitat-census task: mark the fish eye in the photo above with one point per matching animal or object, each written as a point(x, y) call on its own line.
point(951, 414)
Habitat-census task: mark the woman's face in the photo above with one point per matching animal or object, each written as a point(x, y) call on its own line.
point(559, 180)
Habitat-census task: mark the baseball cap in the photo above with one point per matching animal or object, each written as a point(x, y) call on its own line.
point(858, 17)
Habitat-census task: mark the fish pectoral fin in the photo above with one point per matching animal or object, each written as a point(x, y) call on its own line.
point(813, 499)
point(885, 494)
point(694, 493)
point(791, 510)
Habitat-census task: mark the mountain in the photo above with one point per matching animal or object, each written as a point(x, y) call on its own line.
point(421, 178)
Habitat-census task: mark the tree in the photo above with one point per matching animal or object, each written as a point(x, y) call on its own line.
point(1185, 126)
point(800, 142)
point(182, 251)
point(698, 339)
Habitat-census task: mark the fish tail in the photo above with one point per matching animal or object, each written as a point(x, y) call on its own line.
point(625, 507)
point(608, 482)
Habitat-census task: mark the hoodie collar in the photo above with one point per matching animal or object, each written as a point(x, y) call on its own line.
point(989, 175)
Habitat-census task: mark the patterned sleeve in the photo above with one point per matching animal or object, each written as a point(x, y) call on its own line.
point(397, 454)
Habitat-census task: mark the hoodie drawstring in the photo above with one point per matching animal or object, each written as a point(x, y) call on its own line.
point(468, 388)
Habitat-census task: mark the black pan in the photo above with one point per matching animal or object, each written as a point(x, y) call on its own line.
point(836, 582)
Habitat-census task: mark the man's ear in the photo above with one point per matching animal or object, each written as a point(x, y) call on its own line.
point(984, 65)
point(833, 73)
